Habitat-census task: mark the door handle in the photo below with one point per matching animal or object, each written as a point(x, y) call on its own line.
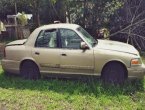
point(63, 54)
point(37, 53)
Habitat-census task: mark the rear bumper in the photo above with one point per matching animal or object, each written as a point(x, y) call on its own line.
point(10, 66)
point(136, 71)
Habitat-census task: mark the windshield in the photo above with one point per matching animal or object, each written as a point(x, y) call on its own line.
point(87, 37)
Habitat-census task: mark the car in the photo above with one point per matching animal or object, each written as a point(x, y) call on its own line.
point(67, 49)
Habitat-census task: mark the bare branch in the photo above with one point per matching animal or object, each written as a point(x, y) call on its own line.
point(137, 44)
point(129, 26)
point(133, 34)
point(140, 14)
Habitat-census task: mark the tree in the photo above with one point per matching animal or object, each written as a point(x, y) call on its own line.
point(92, 14)
point(30, 6)
point(129, 22)
point(37, 6)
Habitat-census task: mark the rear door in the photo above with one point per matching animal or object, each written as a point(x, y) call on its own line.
point(46, 51)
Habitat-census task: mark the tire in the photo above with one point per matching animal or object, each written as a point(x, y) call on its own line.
point(114, 72)
point(29, 70)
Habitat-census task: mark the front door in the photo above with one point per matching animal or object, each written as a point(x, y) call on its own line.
point(74, 60)
point(46, 51)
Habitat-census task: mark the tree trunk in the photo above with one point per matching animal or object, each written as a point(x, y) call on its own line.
point(36, 17)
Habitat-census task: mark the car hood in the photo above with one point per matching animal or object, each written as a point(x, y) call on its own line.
point(116, 46)
point(17, 42)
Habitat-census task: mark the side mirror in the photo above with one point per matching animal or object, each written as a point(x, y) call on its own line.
point(84, 46)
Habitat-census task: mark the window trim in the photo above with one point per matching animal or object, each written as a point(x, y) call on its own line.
point(57, 41)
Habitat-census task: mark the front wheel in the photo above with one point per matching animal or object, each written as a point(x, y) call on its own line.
point(114, 72)
point(29, 70)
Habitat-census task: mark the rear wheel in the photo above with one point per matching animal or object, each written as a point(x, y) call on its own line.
point(114, 72)
point(29, 70)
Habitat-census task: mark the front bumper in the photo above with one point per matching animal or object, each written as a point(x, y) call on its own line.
point(136, 71)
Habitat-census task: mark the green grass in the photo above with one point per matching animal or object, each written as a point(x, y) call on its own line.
point(60, 94)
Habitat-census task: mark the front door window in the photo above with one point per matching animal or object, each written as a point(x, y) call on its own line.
point(70, 39)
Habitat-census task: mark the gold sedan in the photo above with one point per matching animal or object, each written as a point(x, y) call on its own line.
point(69, 49)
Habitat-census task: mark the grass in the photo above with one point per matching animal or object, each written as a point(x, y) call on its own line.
point(60, 94)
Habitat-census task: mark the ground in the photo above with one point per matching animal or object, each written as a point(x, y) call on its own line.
point(69, 94)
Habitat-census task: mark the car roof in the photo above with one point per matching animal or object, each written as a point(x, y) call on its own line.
point(59, 25)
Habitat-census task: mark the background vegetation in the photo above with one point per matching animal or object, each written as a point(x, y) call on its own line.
point(125, 19)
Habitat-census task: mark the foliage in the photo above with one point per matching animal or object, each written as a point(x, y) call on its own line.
point(28, 6)
point(111, 8)
point(124, 18)
point(92, 14)
point(22, 19)
point(5, 7)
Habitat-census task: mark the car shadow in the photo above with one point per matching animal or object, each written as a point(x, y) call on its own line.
point(86, 85)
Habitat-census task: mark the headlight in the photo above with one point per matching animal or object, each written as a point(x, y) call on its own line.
point(136, 61)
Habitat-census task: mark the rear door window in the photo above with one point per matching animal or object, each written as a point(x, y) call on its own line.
point(47, 39)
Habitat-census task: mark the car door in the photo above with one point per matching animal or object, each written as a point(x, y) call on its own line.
point(46, 51)
point(73, 59)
